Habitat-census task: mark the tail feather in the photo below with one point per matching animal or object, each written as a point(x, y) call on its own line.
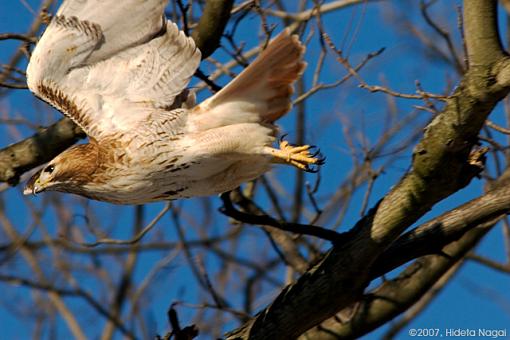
point(262, 91)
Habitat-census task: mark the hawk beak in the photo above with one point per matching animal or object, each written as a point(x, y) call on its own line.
point(37, 188)
point(34, 187)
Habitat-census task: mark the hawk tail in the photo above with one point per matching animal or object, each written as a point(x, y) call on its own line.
point(264, 88)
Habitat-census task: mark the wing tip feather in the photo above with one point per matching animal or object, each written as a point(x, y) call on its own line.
point(268, 80)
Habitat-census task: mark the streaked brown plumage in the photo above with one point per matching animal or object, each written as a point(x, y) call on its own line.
point(123, 84)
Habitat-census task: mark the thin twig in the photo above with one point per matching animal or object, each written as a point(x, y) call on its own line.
point(497, 127)
point(135, 239)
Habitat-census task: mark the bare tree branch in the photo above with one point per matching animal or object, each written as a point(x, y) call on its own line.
point(207, 34)
point(447, 143)
point(397, 295)
point(38, 149)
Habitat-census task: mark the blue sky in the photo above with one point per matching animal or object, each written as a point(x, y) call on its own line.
point(477, 298)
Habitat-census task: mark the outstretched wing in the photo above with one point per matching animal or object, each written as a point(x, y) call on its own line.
point(108, 64)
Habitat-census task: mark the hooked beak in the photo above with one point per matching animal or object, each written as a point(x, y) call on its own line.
point(34, 186)
point(38, 187)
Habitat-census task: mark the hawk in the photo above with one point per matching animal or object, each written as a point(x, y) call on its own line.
point(119, 70)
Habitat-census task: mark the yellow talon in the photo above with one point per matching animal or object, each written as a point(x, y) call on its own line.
point(298, 156)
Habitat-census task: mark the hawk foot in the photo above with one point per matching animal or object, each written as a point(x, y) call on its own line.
point(299, 156)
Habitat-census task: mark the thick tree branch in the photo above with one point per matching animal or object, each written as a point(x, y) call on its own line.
point(465, 226)
point(481, 32)
point(207, 34)
point(460, 228)
point(446, 144)
point(397, 295)
point(432, 236)
point(341, 276)
point(38, 149)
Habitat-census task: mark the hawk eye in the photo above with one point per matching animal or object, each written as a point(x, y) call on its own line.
point(49, 169)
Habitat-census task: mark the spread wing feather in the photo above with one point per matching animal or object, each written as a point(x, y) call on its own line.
point(262, 91)
point(109, 64)
point(124, 23)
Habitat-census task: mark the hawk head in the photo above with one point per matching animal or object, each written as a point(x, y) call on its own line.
point(71, 169)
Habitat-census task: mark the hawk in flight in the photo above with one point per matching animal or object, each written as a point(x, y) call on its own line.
point(119, 70)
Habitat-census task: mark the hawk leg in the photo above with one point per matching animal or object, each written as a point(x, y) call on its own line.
point(298, 156)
